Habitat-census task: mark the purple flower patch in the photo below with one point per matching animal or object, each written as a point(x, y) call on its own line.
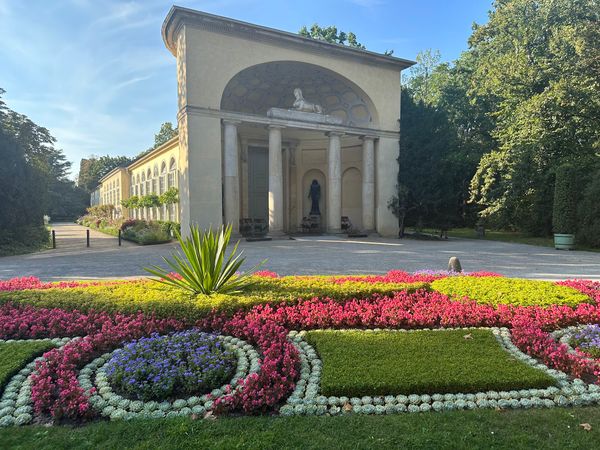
point(171, 366)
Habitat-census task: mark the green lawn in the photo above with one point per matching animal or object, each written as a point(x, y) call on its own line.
point(357, 363)
point(14, 356)
point(557, 428)
point(505, 236)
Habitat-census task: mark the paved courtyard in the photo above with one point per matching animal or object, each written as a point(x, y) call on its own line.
point(306, 255)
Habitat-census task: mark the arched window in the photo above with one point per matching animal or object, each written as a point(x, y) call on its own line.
point(162, 180)
point(172, 171)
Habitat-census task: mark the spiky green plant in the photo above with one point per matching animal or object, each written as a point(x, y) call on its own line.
point(204, 268)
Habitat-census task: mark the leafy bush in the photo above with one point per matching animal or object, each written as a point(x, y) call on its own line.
point(564, 214)
point(359, 363)
point(177, 365)
point(23, 240)
point(509, 291)
point(144, 232)
point(203, 268)
point(168, 301)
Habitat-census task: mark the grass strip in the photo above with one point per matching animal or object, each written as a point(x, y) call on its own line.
point(15, 355)
point(557, 428)
point(358, 363)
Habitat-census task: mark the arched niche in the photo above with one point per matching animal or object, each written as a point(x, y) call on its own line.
point(256, 89)
point(309, 176)
point(352, 196)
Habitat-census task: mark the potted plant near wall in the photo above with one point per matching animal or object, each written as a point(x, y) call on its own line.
point(564, 213)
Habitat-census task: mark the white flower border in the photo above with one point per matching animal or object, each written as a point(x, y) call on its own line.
point(111, 405)
point(16, 404)
point(305, 399)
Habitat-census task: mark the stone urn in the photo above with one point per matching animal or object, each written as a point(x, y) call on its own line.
point(564, 241)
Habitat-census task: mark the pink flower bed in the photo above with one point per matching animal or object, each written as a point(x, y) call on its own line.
point(399, 276)
point(587, 287)
point(22, 283)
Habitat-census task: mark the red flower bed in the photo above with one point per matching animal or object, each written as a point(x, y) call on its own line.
point(279, 364)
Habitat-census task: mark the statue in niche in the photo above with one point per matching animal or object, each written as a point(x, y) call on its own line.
point(302, 105)
point(315, 194)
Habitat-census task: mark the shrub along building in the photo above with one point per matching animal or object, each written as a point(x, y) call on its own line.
point(264, 113)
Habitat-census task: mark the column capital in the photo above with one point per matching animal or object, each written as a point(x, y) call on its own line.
point(368, 137)
point(335, 133)
point(275, 127)
point(231, 122)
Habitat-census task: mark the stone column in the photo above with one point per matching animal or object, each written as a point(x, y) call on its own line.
point(275, 182)
point(293, 211)
point(368, 183)
point(334, 183)
point(231, 181)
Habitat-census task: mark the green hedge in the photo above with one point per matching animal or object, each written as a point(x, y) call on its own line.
point(564, 213)
point(151, 297)
point(359, 363)
point(509, 291)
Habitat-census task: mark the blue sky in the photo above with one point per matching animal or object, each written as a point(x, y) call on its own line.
point(97, 74)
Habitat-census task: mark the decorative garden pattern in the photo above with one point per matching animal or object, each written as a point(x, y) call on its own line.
point(275, 370)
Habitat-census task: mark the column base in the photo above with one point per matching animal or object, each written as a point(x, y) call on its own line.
point(277, 234)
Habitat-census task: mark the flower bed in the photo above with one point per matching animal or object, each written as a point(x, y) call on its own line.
point(72, 381)
point(154, 298)
point(180, 364)
point(509, 291)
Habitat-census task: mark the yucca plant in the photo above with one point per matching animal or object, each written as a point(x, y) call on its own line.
point(204, 268)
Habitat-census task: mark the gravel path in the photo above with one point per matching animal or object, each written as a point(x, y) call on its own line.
point(306, 255)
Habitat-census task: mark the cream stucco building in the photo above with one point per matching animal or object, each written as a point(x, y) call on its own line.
point(247, 150)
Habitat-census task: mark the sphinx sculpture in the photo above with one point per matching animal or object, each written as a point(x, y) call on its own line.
point(300, 104)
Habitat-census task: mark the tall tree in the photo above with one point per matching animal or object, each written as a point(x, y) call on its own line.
point(166, 133)
point(331, 34)
point(93, 168)
point(537, 66)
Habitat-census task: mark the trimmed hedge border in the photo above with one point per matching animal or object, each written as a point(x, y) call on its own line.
point(305, 400)
point(112, 405)
point(16, 405)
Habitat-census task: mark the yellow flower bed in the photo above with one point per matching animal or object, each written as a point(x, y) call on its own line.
point(509, 291)
point(165, 301)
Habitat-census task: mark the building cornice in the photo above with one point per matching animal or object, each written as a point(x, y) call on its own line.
point(111, 173)
point(283, 123)
point(154, 153)
point(179, 16)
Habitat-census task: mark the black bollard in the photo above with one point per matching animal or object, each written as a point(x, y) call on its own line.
point(87, 237)
point(53, 239)
point(119, 237)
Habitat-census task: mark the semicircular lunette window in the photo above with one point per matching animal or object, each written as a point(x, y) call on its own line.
point(271, 85)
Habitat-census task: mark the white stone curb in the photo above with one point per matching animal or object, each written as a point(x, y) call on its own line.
point(305, 400)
